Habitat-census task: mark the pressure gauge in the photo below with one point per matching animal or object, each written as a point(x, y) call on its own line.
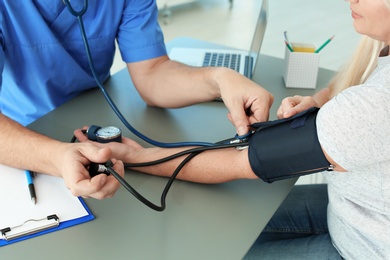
point(104, 134)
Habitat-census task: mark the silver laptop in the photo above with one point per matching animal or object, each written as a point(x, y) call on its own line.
point(242, 61)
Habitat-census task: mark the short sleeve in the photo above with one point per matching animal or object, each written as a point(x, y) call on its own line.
point(354, 127)
point(140, 36)
point(2, 59)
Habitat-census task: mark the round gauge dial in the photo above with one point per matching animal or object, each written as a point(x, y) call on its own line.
point(109, 134)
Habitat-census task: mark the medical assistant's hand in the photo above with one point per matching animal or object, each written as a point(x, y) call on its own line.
point(247, 102)
point(73, 169)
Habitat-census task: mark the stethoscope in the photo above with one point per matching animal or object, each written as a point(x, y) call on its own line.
point(238, 142)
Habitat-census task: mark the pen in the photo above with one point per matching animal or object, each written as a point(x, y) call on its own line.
point(31, 187)
point(323, 45)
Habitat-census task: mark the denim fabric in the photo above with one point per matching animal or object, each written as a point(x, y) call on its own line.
point(298, 229)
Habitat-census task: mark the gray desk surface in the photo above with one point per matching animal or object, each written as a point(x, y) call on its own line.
point(200, 222)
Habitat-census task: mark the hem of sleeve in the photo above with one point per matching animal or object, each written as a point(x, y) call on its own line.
point(144, 53)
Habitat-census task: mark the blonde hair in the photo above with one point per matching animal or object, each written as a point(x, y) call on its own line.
point(357, 70)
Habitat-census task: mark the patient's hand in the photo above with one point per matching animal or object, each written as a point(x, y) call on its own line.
point(294, 105)
point(123, 151)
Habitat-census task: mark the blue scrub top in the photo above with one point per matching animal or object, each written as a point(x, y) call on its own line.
point(42, 55)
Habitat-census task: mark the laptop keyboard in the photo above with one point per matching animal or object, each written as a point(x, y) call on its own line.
point(222, 60)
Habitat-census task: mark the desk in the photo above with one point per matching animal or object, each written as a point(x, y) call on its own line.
point(200, 221)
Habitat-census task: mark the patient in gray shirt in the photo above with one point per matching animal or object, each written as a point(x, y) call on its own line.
point(354, 129)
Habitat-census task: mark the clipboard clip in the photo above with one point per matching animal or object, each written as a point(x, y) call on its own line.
point(29, 227)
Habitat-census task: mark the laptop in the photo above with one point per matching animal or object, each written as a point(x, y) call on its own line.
point(242, 61)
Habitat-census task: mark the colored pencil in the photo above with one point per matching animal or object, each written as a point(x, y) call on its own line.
point(324, 44)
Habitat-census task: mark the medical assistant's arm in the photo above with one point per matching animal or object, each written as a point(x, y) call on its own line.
point(165, 83)
point(24, 149)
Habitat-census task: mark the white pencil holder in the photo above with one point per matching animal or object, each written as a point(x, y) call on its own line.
point(301, 69)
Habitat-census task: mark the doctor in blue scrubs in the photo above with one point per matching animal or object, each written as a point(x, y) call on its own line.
point(43, 64)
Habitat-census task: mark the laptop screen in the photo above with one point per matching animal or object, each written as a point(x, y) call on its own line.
point(259, 32)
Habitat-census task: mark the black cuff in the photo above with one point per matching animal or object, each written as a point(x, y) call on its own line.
point(287, 148)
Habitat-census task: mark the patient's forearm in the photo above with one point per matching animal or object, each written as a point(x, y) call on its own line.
point(322, 96)
point(207, 167)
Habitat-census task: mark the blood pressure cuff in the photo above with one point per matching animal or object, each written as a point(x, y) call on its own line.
point(287, 148)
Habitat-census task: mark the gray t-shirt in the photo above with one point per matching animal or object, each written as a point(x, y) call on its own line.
point(354, 129)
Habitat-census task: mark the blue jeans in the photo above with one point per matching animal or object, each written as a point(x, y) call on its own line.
point(298, 229)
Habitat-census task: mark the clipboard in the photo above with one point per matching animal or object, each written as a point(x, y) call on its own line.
point(56, 207)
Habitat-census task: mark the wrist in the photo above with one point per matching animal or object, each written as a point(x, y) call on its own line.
point(218, 80)
point(55, 153)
